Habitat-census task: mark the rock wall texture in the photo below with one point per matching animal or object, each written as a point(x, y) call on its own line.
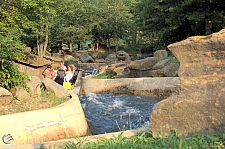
point(200, 105)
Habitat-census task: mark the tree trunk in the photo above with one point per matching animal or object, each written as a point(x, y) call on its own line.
point(70, 46)
point(108, 43)
point(39, 43)
point(38, 49)
point(78, 45)
point(117, 44)
point(46, 41)
point(208, 21)
point(41, 50)
point(137, 36)
point(96, 45)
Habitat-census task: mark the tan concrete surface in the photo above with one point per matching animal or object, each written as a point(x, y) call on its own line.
point(61, 122)
point(94, 138)
point(157, 86)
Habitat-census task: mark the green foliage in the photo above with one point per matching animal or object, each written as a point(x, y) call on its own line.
point(169, 21)
point(103, 76)
point(113, 21)
point(173, 59)
point(70, 61)
point(145, 140)
point(72, 21)
point(10, 76)
point(11, 47)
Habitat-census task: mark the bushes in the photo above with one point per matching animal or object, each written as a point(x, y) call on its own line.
point(103, 76)
point(10, 76)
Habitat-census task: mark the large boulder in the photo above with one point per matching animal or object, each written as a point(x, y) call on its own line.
point(200, 105)
point(161, 64)
point(34, 84)
point(121, 71)
point(161, 54)
point(5, 96)
point(29, 70)
point(135, 73)
point(22, 94)
point(171, 70)
point(99, 60)
point(157, 73)
point(55, 61)
point(94, 55)
point(33, 65)
point(111, 59)
point(70, 58)
point(144, 64)
point(86, 58)
point(123, 56)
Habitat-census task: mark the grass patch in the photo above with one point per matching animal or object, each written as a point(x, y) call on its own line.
point(103, 76)
point(173, 59)
point(46, 100)
point(145, 140)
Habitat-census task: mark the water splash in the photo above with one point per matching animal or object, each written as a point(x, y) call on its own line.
point(102, 110)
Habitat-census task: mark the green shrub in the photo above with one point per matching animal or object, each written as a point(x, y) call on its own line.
point(103, 76)
point(173, 59)
point(10, 76)
point(70, 61)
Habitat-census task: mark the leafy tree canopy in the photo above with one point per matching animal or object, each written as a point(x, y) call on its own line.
point(168, 21)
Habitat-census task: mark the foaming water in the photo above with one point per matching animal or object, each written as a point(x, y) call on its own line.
point(109, 113)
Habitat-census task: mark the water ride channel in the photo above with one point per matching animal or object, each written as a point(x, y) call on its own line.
point(107, 113)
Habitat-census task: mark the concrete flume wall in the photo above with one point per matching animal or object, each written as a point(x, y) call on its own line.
point(60, 122)
point(157, 86)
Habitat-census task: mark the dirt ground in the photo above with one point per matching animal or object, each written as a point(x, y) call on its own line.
point(46, 100)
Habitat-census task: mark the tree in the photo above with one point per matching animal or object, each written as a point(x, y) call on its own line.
point(38, 15)
point(72, 23)
point(10, 45)
point(114, 20)
point(20, 20)
point(168, 21)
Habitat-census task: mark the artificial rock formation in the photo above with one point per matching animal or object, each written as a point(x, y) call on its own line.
point(153, 87)
point(200, 105)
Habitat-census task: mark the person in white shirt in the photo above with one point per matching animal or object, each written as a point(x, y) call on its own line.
point(69, 73)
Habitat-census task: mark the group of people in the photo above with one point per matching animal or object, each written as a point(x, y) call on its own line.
point(64, 73)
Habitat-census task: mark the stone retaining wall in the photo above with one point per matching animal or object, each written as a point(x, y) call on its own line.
point(158, 86)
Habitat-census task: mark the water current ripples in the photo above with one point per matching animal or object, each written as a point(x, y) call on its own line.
point(103, 110)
